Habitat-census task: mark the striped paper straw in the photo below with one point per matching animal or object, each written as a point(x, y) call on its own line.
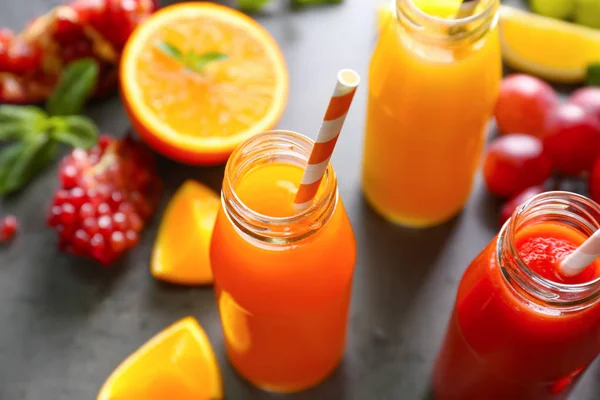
point(347, 81)
point(583, 256)
point(467, 8)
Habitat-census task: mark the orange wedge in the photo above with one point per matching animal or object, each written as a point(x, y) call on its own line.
point(181, 250)
point(199, 118)
point(178, 363)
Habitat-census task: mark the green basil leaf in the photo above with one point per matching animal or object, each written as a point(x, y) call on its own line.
point(251, 5)
point(8, 158)
point(22, 161)
point(198, 61)
point(593, 75)
point(76, 84)
point(74, 130)
point(17, 122)
point(169, 49)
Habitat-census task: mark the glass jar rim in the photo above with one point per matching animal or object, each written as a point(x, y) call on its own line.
point(550, 289)
point(450, 23)
point(292, 142)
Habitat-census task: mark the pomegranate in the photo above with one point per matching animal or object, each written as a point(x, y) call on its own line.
point(8, 228)
point(32, 61)
point(106, 195)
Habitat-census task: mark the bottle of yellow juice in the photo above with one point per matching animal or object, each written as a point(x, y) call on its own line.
point(433, 81)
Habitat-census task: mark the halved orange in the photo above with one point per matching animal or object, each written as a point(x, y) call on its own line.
point(181, 249)
point(177, 363)
point(199, 118)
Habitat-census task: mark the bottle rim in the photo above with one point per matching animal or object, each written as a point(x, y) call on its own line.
point(287, 147)
point(567, 207)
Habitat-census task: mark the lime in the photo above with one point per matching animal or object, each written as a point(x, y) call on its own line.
point(562, 9)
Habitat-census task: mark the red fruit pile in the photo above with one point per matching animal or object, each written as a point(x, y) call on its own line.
point(8, 228)
point(106, 195)
point(541, 135)
point(32, 61)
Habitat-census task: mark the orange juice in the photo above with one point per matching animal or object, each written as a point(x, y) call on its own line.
point(282, 277)
point(433, 82)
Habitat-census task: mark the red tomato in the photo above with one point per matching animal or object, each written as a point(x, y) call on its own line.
point(523, 104)
point(515, 162)
point(587, 98)
point(572, 139)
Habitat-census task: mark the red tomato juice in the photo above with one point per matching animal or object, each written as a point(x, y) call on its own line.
point(502, 343)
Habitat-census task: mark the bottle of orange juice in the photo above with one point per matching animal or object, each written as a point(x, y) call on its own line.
point(433, 81)
point(282, 277)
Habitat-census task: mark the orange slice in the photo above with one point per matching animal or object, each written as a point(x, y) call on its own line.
point(194, 117)
point(178, 363)
point(181, 250)
point(546, 47)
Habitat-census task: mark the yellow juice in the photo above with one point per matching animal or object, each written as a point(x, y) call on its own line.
point(431, 93)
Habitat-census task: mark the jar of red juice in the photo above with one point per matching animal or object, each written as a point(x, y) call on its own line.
point(520, 330)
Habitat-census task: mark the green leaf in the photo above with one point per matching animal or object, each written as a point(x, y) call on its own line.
point(593, 75)
point(76, 84)
point(198, 61)
point(75, 130)
point(251, 5)
point(20, 162)
point(19, 121)
point(169, 49)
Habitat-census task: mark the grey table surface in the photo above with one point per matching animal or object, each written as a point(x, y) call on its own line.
point(65, 324)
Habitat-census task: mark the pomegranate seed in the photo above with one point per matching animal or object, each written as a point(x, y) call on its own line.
point(132, 238)
point(116, 198)
point(81, 242)
point(118, 242)
point(90, 225)
point(54, 217)
point(120, 221)
point(67, 215)
point(60, 197)
point(105, 225)
point(86, 211)
point(104, 141)
point(68, 176)
point(97, 245)
point(77, 196)
point(104, 209)
point(8, 228)
point(135, 222)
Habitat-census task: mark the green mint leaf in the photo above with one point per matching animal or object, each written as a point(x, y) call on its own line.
point(17, 122)
point(251, 5)
point(169, 49)
point(75, 130)
point(20, 162)
point(198, 61)
point(593, 75)
point(76, 84)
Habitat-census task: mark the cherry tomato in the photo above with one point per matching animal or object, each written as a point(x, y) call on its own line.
point(515, 162)
point(572, 139)
point(587, 98)
point(523, 104)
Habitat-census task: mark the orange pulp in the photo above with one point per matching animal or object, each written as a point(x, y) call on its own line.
point(428, 108)
point(283, 307)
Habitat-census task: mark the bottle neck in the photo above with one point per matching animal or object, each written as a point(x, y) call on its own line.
point(276, 147)
point(446, 31)
point(570, 209)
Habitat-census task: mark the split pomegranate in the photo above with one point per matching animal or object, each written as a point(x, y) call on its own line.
point(106, 195)
point(8, 228)
point(31, 62)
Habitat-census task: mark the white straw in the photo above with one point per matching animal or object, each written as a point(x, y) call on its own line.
point(467, 8)
point(583, 256)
